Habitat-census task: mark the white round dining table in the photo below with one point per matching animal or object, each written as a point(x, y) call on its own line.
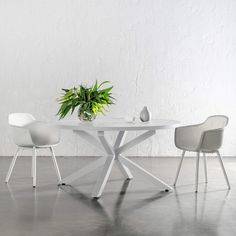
point(94, 134)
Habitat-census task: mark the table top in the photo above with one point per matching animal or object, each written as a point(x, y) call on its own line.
point(116, 124)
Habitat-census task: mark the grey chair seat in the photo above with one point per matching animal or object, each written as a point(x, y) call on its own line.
point(189, 148)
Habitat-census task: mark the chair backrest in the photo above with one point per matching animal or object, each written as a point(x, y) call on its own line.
point(20, 135)
point(212, 140)
point(215, 122)
point(20, 119)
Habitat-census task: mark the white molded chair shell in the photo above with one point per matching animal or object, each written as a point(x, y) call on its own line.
point(27, 132)
point(206, 136)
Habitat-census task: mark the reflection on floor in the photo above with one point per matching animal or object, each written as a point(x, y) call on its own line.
point(134, 208)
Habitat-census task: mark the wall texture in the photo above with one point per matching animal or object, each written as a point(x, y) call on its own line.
point(176, 57)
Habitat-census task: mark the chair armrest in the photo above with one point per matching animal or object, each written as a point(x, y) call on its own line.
point(188, 137)
point(211, 140)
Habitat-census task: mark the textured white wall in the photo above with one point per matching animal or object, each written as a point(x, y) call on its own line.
point(176, 57)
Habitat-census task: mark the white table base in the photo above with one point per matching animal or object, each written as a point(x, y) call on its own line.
point(113, 154)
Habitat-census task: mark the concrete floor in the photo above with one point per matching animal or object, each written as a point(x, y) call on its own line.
point(126, 208)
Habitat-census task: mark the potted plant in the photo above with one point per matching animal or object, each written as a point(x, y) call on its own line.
point(89, 100)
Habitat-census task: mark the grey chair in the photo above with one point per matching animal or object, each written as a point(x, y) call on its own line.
point(28, 133)
point(203, 138)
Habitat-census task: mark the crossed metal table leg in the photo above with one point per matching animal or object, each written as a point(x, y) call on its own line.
point(113, 154)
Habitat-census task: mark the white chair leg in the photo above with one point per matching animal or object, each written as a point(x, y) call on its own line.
point(205, 166)
point(34, 160)
point(180, 164)
point(223, 169)
point(32, 166)
point(12, 165)
point(197, 172)
point(55, 164)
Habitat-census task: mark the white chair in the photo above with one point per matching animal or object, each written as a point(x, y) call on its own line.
point(203, 138)
point(28, 133)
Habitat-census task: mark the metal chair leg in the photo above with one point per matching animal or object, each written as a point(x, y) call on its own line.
point(34, 159)
point(32, 166)
point(179, 167)
point(55, 164)
point(13, 162)
point(223, 169)
point(205, 166)
point(197, 172)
